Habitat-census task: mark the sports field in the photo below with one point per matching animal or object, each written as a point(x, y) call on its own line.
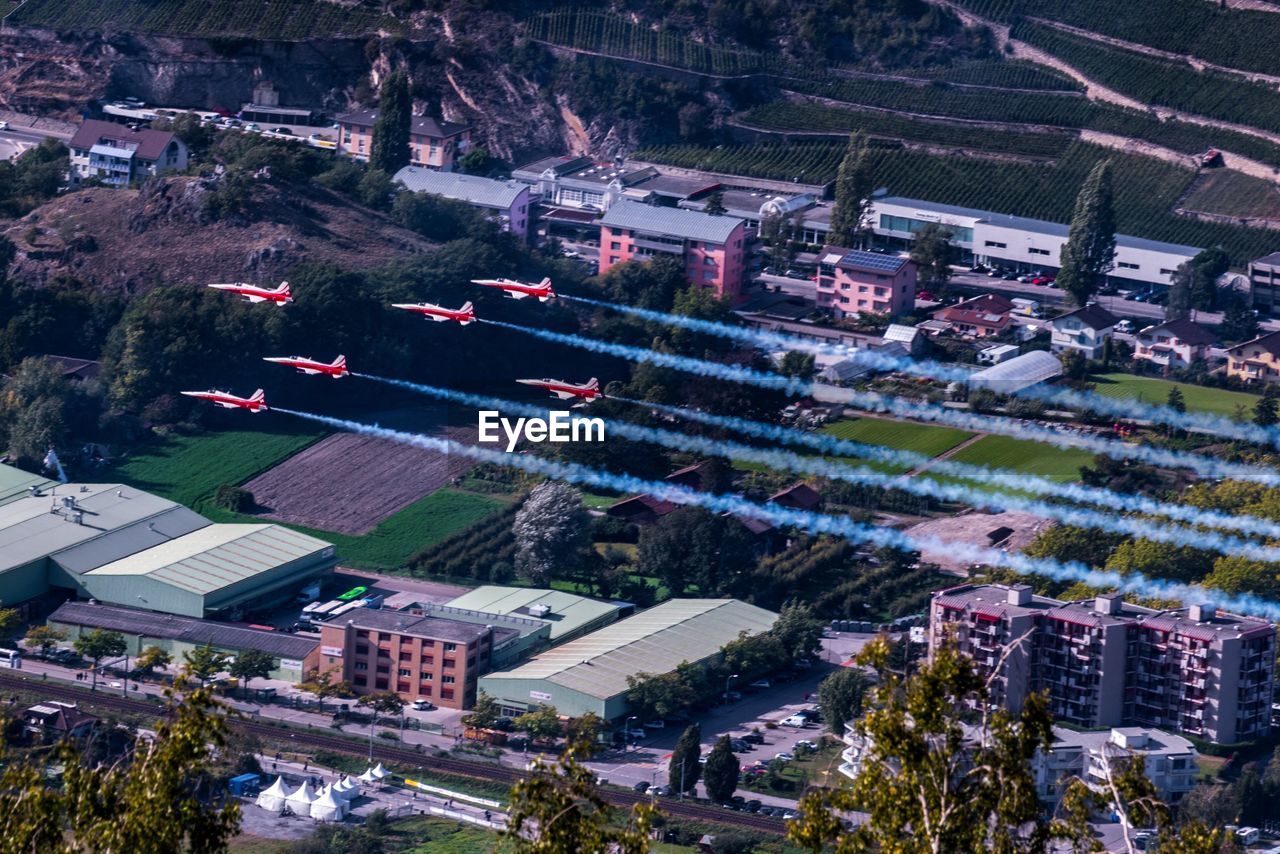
point(1219, 401)
point(903, 435)
point(1019, 455)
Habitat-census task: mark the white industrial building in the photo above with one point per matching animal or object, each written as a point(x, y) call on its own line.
point(1002, 239)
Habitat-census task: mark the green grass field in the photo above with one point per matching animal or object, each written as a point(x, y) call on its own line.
point(400, 536)
point(188, 468)
point(904, 435)
point(1156, 391)
point(1222, 191)
point(1019, 455)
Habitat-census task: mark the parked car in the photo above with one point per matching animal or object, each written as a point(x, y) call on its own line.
point(4, 125)
point(795, 720)
point(760, 684)
point(641, 787)
point(739, 746)
point(753, 805)
point(804, 742)
point(811, 715)
point(423, 705)
point(282, 130)
point(924, 295)
point(1042, 280)
point(1125, 325)
point(796, 274)
point(732, 696)
point(635, 732)
point(252, 126)
point(753, 738)
point(661, 791)
point(784, 755)
point(658, 724)
point(505, 724)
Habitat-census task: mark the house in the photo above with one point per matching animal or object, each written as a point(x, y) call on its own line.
point(1175, 344)
point(1257, 360)
point(119, 157)
point(711, 247)
point(433, 144)
point(852, 282)
point(799, 496)
point(981, 317)
point(997, 353)
point(1085, 329)
point(265, 110)
point(52, 721)
point(504, 202)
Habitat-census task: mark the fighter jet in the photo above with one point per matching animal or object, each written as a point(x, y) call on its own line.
point(519, 290)
point(253, 293)
point(257, 402)
point(338, 368)
point(464, 316)
point(587, 392)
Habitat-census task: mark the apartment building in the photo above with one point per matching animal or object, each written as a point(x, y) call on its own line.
point(1175, 344)
point(1106, 662)
point(853, 282)
point(1169, 761)
point(1256, 361)
point(1085, 329)
point(118, 156)
point(1264, 284)
point(419, 657)
point(432, 144)
point(505, 203)
point(711, 246)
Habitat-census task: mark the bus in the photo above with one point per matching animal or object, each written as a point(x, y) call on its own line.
point(11, 658)
point(326, 609)
point(353, 593)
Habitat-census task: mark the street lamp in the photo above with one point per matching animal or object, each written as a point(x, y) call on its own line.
point(727, 680)
point(626, 732)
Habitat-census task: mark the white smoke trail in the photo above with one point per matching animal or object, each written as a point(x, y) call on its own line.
point(923, 486)
point(1126, 408)
point(816, 523)
point(1121, 501)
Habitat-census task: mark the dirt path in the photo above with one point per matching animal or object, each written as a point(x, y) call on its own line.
point(1251, 5)
point(945, 455)
point(1156, 53)
point(1139, 146)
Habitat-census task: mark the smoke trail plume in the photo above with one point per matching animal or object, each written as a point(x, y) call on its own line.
point(923, 486)
point(816, 523)
point(1127, 408)
point(1121, 501)
point(699, 367)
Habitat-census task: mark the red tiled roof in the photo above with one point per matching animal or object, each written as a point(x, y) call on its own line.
point(150, 143)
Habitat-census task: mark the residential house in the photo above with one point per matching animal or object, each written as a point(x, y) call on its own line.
point(53, 720)
point(981, 317)
point(852, 282)
point(1256, 361)
point(1175, 344)
point(711, 247)
point(504, 202)
point(798, 496)
point(118, 156)
point(1085, 330)
point(433, 144)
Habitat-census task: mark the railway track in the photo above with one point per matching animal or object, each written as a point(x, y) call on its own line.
point(476, 770)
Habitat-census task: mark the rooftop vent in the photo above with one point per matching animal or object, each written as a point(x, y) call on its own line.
point(1108, 603)
point(539, 610)
point(1202, 613)
point(1019, 594)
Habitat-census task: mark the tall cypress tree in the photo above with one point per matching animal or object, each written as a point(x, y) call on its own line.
point(684, 770)
point(1090, 250)
point(853, 193)
point(390, 148)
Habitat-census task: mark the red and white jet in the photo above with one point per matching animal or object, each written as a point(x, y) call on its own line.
point(253, 293)
point(336, 368)
point(587, 392)
point(257, 402)
point(464, 316)
point(519, 290)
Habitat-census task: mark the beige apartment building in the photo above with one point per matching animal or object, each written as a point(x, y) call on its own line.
point(1109, 663)
point(1256, 361)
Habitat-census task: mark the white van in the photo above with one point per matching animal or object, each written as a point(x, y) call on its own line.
point(796, 721)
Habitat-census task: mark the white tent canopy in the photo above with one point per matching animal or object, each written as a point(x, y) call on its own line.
point(367, 777)
point(300, 801)
point(379, 772)
point(346, 788)
point(273, 797)
point(328, 807)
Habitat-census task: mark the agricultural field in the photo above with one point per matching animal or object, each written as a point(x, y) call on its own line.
point(802, 162)
point(612, 35)
point(1194, 27)
point(790, 116)
point(1159, 81)
point(1234, 194)
point(348, 483)
point(1145, 188)
point(1219, 401)
point(187, 469)
point(924, 439)
point(1024, 457)
point(1002, 74)
point(285, 20)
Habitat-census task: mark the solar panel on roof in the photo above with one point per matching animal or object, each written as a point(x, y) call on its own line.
point(872, 260)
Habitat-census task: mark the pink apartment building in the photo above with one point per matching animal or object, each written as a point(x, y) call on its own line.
point(433, 144)
point(712, 247)
point(851, 281)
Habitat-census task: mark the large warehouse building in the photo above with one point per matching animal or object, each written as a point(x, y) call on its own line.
point(118, 544)
point(590, 674)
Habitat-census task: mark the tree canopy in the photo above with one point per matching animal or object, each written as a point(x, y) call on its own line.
point(1089, 253)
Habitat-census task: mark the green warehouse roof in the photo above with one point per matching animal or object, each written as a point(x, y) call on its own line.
point(565, 612)
point(653, 641)
point(15, 483)
point(217, 557)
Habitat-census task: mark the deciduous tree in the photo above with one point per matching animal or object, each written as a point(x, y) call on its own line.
point(98, 644)
point(151, 659)
point(251, 664)
point(1089, 253)
point(484, 714)
point(204, 663)
point(840, 697)
point(551, 531)
point(542, 722)
point(933, 253)
point(44, 638)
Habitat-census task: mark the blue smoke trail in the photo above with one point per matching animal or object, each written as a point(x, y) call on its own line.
point(1125, 502)
point(1126, 408)
point(699, 367)
point(926, 487)
point(816, 523)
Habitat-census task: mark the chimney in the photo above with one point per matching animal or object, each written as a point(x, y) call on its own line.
point(1108, 603)
point(1201, 613)
point(1019, 594)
